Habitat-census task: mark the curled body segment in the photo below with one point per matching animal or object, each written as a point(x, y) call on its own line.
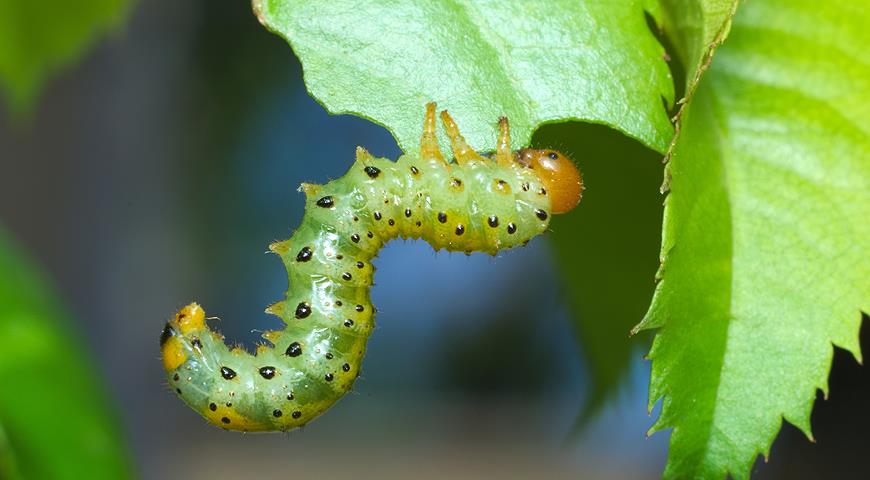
point(472, 204)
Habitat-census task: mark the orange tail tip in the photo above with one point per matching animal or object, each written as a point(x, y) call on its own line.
point(173, 354)
point(190, 318)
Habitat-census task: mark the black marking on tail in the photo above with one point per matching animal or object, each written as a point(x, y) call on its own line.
point(168, 332)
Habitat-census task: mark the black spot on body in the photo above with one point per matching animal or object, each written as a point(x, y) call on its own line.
point(442, 217)
point(178, 390)
point(370, 234)
point(542, 191)
point(408, 212)
point(378, 216)
point(525, 186)
point(326, 202)
point(391, 222)
point(304, 255)
point(541, 214)
point(290, 396)
point(372, 172)
point(196, 343)
point(346, 276)
point(492, 221)
point(225, 420)
point(228, 373)
point(277, 413)
point(329, 356)
point(359, 308)
point(267, 372)
point(346, 367)
point(418, 223)
point(348, 323)
point(294, 350)
point(511, 228)
point(460, 229)
point(168, 332)
point(296, 414)
point(176, 377)
point(212, 407)
point(303, 310)
point(360, 265)
point(328, 377)
point(338, 303)
point(339, 257)
point(414, 170)
point(455, 182)
point(355, 238)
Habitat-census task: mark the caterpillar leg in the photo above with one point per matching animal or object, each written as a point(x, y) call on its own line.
point(461, 151)
point(363, 156)
point(429, 142)
point(503, 153)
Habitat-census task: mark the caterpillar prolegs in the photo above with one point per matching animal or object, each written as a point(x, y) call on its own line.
point(475, 203)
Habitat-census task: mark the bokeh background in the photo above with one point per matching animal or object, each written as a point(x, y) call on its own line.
point(156, 171)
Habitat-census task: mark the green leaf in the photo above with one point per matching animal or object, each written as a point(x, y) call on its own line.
point(55, 421)
point(766, 248)
point(535, 62)
point(37, 38)
point(696, 29)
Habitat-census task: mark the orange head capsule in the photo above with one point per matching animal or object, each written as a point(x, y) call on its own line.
point(559, 175)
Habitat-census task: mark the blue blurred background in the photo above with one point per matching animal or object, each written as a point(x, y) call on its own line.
point(158, 170)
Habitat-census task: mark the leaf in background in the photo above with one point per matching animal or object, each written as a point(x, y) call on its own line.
point(607, 249)
point(8, 465)
point(766, 245)
point(535, 62)
point(56, 422)
point(613, 238)
point(696, 29)
point(38, 38)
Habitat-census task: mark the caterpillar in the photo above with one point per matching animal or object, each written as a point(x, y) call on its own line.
point(476, 202)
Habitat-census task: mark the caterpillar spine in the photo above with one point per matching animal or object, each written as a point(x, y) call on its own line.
point(475, 203)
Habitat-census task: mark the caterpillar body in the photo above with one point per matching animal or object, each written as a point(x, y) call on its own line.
point(475, 203)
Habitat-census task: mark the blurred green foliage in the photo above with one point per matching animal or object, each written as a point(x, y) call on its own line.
point(55, 420)
point(37, 38)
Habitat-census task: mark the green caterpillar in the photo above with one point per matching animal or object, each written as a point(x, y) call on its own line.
point(476, 203)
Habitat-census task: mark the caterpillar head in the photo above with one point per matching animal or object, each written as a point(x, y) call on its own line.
point(558, 174)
